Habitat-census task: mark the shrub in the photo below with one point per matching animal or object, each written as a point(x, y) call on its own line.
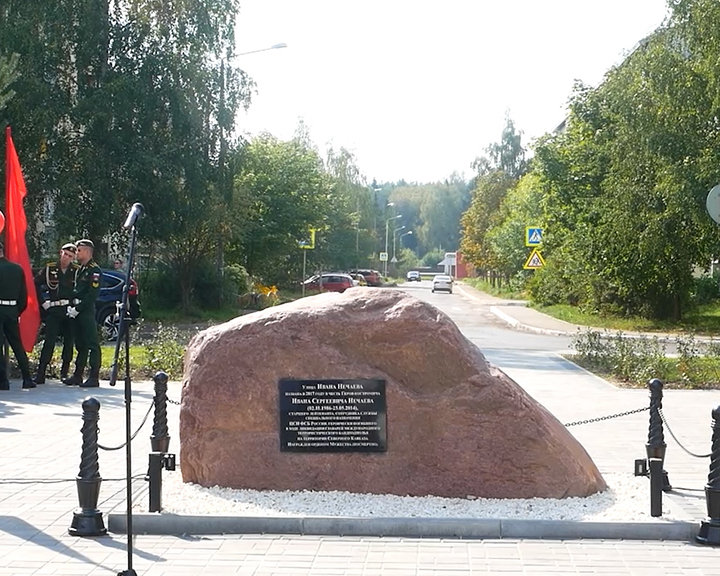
point(159, 288)
point(633, 360)
point(166, 351)
point(705, 290)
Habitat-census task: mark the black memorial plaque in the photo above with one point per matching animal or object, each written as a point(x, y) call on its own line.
point(333, 416)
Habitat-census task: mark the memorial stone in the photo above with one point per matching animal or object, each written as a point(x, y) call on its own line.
point(447, 424)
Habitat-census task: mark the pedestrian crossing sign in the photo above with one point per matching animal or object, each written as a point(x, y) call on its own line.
point(533, 236)
point(534, 261)
point(308, 244)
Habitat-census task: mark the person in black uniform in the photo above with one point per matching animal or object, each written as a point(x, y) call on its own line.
point(87, 288)
point(56, 288)
point(13, 301)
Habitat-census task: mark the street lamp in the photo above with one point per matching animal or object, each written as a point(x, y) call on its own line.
point(273, 47)
point(225, 179)
point(387, 230)
point(394, 238)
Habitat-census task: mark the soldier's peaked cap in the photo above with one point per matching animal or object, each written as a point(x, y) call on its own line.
point(85, 242)
point(70, 247)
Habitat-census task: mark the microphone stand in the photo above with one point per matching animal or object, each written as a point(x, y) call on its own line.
point(124, 337)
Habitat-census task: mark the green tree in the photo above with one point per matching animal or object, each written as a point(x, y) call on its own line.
point(482, 215)
point(8, 75)
point(521, 207)
point(287, 192)
point(626, 183)
point(497, 174)
point(508, 155)
point(122, 102)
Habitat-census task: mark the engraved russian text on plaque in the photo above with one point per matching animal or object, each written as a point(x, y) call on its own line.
point(333, 416)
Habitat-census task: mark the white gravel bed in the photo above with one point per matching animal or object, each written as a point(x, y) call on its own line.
point(627, 499)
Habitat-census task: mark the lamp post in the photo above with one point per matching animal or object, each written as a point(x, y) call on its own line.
point(225, 178)
point(395, 238)
point(387, 231)
point(273, 47)
point(405, 234)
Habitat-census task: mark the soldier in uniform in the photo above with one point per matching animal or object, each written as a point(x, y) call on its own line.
point(13, 301)
point(87, 287)
point(56, 287)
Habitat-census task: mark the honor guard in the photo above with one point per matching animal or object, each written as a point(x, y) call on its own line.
point(56, 290)
point(87, 287)
point(13, 301)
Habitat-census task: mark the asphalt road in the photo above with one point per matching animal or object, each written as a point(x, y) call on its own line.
point(482, 327)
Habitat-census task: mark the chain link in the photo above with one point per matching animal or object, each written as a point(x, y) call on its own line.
point(678, 441)
point(601, 418)
point(110, 449)
point(173, 402)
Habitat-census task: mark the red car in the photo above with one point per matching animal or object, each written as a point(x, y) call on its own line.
point(372, 277)
point(330, 282)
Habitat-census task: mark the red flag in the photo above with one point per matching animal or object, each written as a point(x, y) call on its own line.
point(15, 245)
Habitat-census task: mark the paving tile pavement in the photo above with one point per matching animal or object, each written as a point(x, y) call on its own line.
point(40, 458)
point(571, 393)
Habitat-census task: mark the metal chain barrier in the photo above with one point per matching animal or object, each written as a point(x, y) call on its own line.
point(131, 437)
point(678, 441)
point(173, 402)
point(610, 417)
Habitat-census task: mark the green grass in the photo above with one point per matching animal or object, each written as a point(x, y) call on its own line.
point(705, 320)
point(175, 316)
point(138, 356)
point(697, 373)
point(501, 291)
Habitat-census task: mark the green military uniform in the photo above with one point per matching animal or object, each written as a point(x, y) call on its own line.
point(13, 301)
point(57, 292)
point(87, 287)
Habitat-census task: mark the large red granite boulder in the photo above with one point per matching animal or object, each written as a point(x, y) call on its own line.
point(456, 425)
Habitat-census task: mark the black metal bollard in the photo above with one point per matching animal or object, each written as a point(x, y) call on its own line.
point(155, 469)
point(656, 446)
point(710, 529)
point(160, 440)
point(656, 487)
point(88, 520)
point(160, 444)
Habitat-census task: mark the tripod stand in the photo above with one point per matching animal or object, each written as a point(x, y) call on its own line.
point(124, 339)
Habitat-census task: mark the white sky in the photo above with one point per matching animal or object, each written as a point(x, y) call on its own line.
point(417, 89)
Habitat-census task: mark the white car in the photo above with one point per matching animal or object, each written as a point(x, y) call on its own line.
point(442, 283)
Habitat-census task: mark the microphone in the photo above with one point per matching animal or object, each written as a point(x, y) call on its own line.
point(136, 211)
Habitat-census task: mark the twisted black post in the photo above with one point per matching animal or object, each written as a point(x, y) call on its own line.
point(710, 529)
point(160, 440)
point(88, 520)
point(656, 446)
point(160, 444)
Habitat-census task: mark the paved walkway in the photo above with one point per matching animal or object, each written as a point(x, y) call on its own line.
point(41, 455)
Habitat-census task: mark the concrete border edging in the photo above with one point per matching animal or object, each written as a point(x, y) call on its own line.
point(174, 524)
point(524, 327)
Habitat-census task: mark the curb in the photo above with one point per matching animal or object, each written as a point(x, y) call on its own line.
point(176, 524)
point(512, 322)
point(518, 326)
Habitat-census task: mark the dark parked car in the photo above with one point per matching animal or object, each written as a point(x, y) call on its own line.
point(112, 283)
